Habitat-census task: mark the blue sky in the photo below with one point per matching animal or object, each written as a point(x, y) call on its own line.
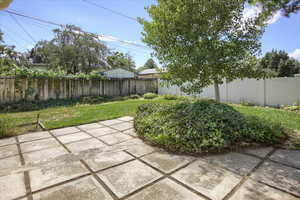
point(283, 33)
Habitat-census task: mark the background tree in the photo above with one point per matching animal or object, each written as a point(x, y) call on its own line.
point(150, 64)
point(280, 64)
point(121, 60)
point(71, 50)
point(202, 42)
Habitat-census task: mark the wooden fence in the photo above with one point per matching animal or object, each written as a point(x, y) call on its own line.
point(14, 89)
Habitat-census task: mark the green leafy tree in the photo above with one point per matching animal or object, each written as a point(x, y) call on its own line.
point(280, 64)
point(121, 60)
point(270, 6)
point(72, 50)
point(202, 42)
point(150, 64)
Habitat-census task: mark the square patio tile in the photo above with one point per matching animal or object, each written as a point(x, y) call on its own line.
point(54, 173)
point(90, 126)
point(238, 163)
point(115, 138)
point(39, 145)
point(105, 160)
point(127, 178)
point(10, 150)
point(131, 132)
point(123, 126)
point(260, 152)
point(85, 145)
point(83, 189)
point(139, 150)
point(7, 141)
point(43, 156)
point(34, 136)
point(165, 190)
point(111, 122)
point(126, 118)
point(73, 137)
point(101, 131)
point(12, 186)
point(252, 190)
point(9, 164)
point(208, 179)
point(64, 131)
point(279, 176)
point(166, 162)
point(288, 157)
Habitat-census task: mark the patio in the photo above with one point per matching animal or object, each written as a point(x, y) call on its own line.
point(106, 161)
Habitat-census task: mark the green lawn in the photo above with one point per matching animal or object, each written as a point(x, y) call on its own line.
point(64, 116)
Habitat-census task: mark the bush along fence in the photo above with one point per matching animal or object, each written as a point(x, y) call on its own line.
point(14, 89)
point(268, 92)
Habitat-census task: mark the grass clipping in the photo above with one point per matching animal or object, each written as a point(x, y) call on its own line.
point(203, 126)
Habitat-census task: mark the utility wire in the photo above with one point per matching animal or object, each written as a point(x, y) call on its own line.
point(21, 26)
point(111, 10)
point(62, 26)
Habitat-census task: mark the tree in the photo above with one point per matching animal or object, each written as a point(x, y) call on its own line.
point(121, 60)
point(270, 6)
point(280, 64)
point(150, 64)
point(202, 42)
point(72, 50)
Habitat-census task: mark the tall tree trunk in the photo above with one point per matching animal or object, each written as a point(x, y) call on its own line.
point(217, 92)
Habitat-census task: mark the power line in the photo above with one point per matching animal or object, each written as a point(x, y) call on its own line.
point(111, 10)
point(98, 36)
point(20, 25)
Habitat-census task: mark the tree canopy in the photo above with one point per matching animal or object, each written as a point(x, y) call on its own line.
point(72, 50)
point(202, 42)
point(121, 60)
point(280, 64)
point(150, 64)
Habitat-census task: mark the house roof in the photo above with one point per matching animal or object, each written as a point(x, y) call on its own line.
point(149, 71)
point(117, 69)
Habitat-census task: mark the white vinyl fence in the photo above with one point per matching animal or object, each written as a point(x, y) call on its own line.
point(269, 92)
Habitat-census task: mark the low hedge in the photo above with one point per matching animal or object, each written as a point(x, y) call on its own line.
point(150, 96)
point(202, 126)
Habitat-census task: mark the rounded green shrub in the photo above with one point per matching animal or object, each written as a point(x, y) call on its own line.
point(201, 126)
point(150, 96)
point(170, 97)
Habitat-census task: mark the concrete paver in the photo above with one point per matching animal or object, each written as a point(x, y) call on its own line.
point(166, 190)
point(208, 179)
point(9, 150)
point(288, 157)
point(12, 186)
point(123, 126)
point(64, 131)
point(235, 162)
point(101, 131)
point(252, 190)
point(129, 177)
point(34, 136)
point(82, 189)
point(90, 126)
point(7, 141)
point(57, 172)
point(73, 137)
point(85, 145)
point(108, 159)
point(166, 162)
point(38, 145)
point(279, 176)
point(115, 138)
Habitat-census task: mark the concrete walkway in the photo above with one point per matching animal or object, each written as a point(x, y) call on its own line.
point(106, 161)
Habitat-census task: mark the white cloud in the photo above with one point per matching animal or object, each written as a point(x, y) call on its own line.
point(254, 11)
point(295, 54)
point(30, 46)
